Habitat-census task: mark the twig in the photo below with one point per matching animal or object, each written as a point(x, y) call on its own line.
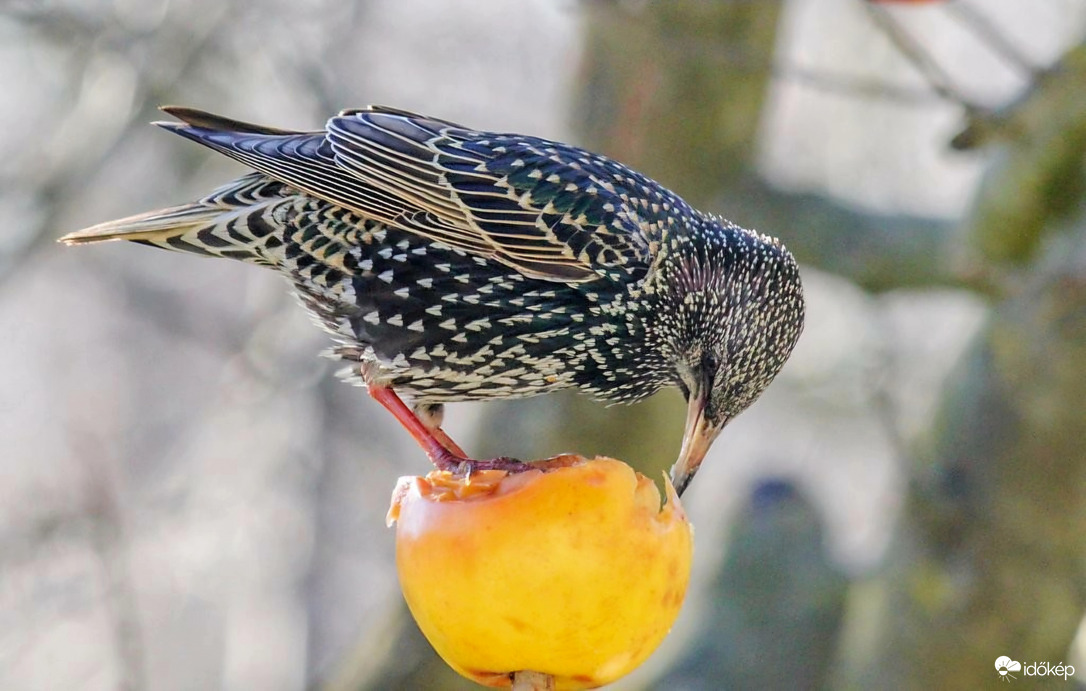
point(532, 681)
point(857, 86)
point(981, 25)
point(932, 72)
point(63, 185)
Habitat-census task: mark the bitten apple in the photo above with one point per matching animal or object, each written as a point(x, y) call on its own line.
point(576, 572)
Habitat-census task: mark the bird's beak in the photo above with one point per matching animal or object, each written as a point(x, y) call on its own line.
point(697, 438)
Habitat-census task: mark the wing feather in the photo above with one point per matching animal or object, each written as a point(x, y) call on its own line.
point(456, 186)
point(545, 209)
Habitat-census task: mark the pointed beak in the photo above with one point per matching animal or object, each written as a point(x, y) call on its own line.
point(697, 439)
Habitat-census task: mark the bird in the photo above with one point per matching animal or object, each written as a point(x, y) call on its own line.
point(451, 264)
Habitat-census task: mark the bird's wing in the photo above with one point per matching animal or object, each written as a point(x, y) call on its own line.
point(303, 160)
point(548, 210)
point(542, 207)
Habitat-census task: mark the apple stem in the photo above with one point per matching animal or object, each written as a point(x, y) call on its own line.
point(532, 681)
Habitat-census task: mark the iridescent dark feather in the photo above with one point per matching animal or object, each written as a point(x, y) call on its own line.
point(459, 264)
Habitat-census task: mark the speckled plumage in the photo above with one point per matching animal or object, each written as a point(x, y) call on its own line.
point(462, 265)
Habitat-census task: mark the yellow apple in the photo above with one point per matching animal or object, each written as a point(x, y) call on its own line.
point(575, 572)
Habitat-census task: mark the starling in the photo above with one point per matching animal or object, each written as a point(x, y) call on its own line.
point(451, 264)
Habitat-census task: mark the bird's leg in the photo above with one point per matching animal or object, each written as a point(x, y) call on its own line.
point(431, 415)
point(440, 455)
point(443, 451)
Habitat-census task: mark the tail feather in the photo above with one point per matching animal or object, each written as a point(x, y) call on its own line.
point(205, 120)
point(152, 226)
point(227, 223)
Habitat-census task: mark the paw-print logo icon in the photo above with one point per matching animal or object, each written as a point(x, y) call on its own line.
point(1004, 665)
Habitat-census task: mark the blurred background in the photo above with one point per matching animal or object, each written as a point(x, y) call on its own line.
point(190, 500)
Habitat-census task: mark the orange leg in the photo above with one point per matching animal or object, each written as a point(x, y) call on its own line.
point(442, 451)
point(446, 441)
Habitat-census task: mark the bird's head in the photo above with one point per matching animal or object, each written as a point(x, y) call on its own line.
point(728, 314)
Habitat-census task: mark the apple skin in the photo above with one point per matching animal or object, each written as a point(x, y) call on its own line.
point(576, 572)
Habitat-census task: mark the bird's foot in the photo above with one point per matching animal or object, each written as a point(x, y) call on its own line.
point(466, 466)
point(442, 451)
